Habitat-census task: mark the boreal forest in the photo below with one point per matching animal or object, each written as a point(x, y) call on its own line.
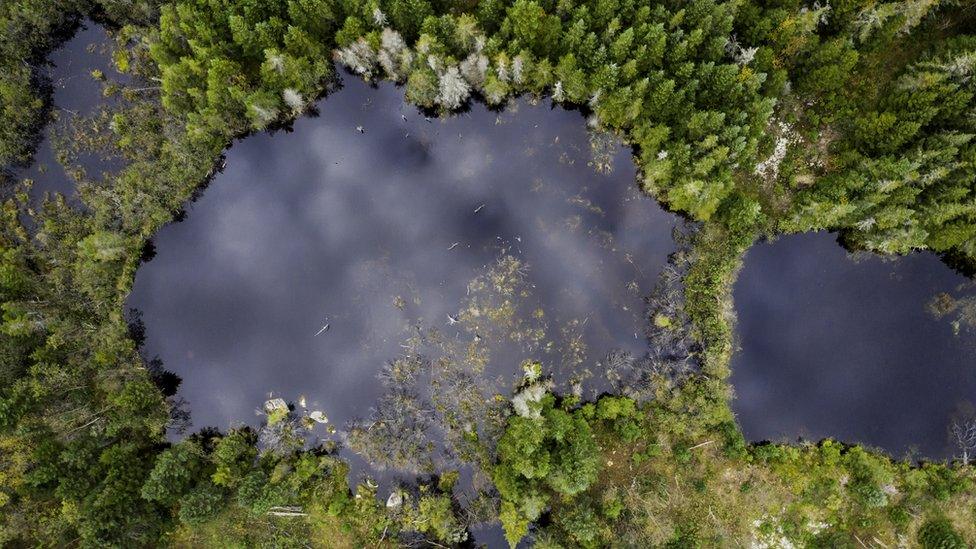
point(499, 400)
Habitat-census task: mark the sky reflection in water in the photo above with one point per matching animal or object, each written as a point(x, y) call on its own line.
point(375, 233)
point(330, 226)
point(841, 347)
point(75, 93)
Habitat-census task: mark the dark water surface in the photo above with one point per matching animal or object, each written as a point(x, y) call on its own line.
point(76, 93)
point(846, 347)
point(502, 221)
point(328, 225)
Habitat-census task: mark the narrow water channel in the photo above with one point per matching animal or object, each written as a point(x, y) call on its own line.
point(856, 348)
point(321, 254)
point(76, 93)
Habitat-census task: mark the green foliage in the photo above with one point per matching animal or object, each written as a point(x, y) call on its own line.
point(31, 28)
point(407, 16)
point(233, 458)
point(515, 522)
point(665, 78)
point(939, 534)
point(201, 504)
point(423, 87)
point(905, 180)
point(437, 518)
point(352, 29)
point(580, 522)
point(528, 26)
point(693, 102)
point(176, 470)
point(210, 55)
point(554, 452)
point(826, 71)
point(82, 456)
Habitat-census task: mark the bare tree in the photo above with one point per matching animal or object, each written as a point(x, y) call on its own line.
point(963, 433)
point(398, 432)
point(672, 347)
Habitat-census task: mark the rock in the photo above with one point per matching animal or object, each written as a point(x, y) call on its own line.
point(395, 500)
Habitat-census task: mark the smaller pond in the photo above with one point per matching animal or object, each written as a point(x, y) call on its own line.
point(850, 347)
point(369, 231)
point(76, 93)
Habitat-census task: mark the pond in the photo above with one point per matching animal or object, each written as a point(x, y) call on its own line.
point(320, 254)
point(383, 234)
point(76, 93)
point(856, 348)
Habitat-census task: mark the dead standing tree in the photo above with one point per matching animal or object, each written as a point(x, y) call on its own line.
point(963, 433)
point(397, 433)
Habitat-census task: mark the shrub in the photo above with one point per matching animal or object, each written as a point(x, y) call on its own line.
point(939, 534)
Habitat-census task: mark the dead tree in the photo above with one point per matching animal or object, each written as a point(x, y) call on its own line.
point(963, 434)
